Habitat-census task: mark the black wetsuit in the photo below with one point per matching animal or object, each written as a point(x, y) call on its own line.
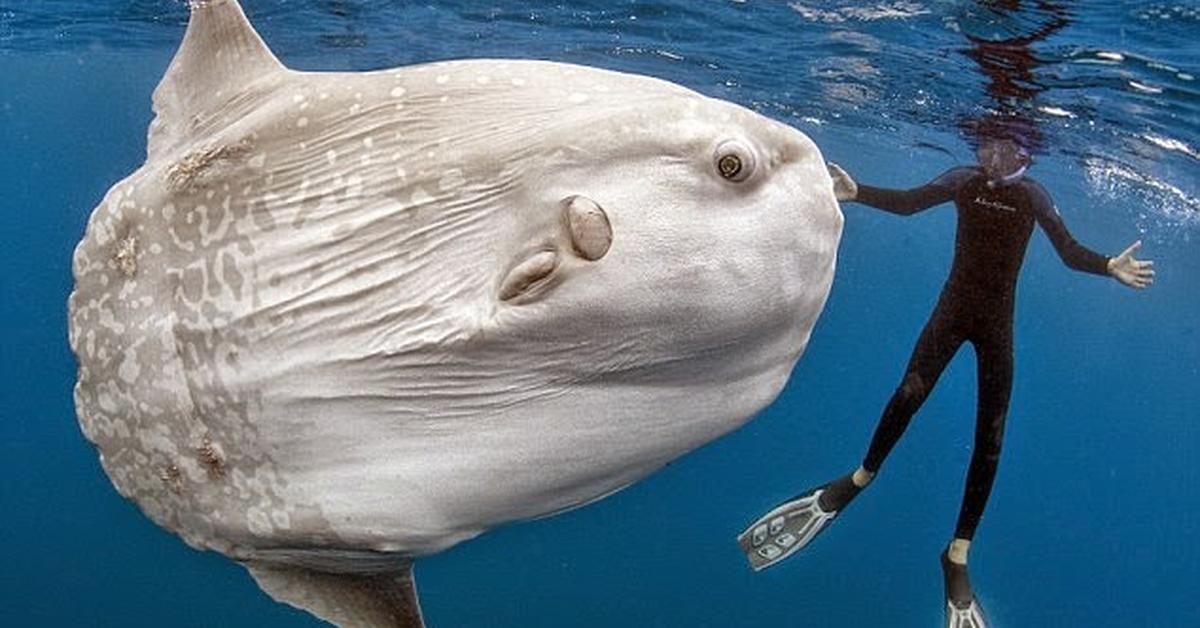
point(976, 306)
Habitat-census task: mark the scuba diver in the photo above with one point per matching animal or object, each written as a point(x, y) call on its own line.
point(997, 208)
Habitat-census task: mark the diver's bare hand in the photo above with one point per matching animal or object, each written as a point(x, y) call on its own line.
point(1132, 272)
point(844, 187)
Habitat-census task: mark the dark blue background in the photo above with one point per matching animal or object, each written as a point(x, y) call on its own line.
point(1094, 514)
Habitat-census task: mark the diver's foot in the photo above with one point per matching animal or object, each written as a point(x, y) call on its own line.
point(795, 523)
point(962, 609)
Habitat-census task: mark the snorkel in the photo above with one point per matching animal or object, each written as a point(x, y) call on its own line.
point(1009, 178)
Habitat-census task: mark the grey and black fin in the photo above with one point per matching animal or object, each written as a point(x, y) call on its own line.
point(784, 530)
point(211, 80)
point(792, 525)
point(349, 600)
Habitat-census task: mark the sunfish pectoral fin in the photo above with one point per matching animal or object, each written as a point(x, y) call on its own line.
point(221, 53)
point(351, 600)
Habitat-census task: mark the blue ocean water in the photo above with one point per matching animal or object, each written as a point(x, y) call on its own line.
point(1096, 508)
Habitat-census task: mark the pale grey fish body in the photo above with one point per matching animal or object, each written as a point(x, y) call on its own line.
point(340, 320)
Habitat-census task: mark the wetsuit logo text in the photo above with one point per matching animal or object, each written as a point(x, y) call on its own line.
point(979, 200)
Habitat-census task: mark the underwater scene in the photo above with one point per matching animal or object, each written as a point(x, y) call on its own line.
point(553, 313)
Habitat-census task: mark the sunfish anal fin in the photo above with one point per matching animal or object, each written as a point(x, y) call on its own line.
point(220, 56)
point(348, 600)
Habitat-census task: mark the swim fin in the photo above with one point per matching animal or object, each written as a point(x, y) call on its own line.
point(969, 617)
point(962, 608)
point(785, 529)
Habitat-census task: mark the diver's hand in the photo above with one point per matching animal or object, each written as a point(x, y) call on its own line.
point(1132, 272)
point(844, 187)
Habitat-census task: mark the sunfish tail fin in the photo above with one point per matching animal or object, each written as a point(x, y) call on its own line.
point(348, 600)
point(220, 56)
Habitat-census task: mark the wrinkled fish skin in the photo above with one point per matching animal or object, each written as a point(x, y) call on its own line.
point(339, 320)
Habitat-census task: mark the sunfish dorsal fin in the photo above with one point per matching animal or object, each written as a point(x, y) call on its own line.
point(220, 56)
point(350, 600)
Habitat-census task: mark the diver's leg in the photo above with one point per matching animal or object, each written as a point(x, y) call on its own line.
point(994, 355)
point(938, 343)
point(795, 523)
point(995, 373)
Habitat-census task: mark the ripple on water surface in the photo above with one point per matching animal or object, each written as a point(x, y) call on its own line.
point(1109, 86)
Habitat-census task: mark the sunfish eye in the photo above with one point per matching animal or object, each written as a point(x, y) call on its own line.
point(734, 161)
point(730, 166)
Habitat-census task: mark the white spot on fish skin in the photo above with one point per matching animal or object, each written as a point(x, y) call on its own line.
point(420, 197)
point(258, 161)
point(452, 179)
point(519, 82)
point(483, 80)
point(442, 79)
point(354, 109)
point(397, 92)
point(578, 98)
point(130, 367)
point(331, 156)
point(298, 98)
point(369, 142)
point(258, 523)
point(324, 96)
point(354, 183)
point(302, 122)
point(444, 99)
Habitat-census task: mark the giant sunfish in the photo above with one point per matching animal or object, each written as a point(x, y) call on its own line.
point(339, 321)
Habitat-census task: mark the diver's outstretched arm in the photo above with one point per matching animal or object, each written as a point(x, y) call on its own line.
point(1124, 268)
point(902, 202)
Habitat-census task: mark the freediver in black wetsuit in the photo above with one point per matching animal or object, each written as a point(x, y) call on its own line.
point(997, 209)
